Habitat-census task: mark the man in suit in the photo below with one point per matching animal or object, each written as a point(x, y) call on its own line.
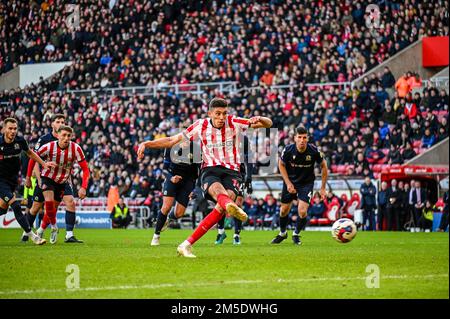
point(393, 206)
point(419, 197)
point(382, 204)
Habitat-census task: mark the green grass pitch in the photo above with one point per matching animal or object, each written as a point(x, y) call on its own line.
point(122, 264)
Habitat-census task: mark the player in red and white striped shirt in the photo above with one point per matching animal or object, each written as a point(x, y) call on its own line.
point(221, 137)
point(64, 153)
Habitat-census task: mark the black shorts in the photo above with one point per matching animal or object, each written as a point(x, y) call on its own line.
point(38, 196)
point(304, 193)
point(48, 184)
point(230, 180)
point(180, 191)
point(7, 190)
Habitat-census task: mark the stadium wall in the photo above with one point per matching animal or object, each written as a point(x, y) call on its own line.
point(409, 59)
point(27, 74)
point(436, 155)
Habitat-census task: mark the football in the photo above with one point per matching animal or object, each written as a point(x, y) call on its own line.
point(343, 230)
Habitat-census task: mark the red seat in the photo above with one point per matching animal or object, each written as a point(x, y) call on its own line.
point(323, 221)
point(376, 168)
point(417, 143)
point(341, 169)
point(376, 175)
point(334, 168)
point(353, 204)
point(314, 221)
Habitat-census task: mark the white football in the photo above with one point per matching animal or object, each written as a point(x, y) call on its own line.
point(343, 230)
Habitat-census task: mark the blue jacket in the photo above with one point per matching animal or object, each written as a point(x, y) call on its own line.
point(383, 197)
point(368, 196)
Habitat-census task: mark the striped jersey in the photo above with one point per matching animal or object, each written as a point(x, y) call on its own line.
point(64, 159)
point(220, 147)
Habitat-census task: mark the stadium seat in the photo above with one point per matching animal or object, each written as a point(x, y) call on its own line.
point(353, 204)
point(440, 203)
point(417, 144)
point(376, 168)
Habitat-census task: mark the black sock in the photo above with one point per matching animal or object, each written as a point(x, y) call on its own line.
point(237, 226)
point(300, 224)
point(221, 223)
point(39, 219)
point(21, 218)
point(70, 220)
point(172, 215)
point(31, 219)
point(3, 211)
point(283, 223)
point(160, 221)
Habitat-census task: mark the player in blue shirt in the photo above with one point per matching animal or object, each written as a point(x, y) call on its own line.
point(297, 169)
point(11, 148)
point(181, 169)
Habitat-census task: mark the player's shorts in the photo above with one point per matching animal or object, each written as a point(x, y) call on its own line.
point(180, 190)
point(7, 190)
point(304, 193)
point(230, 180)
point(38, 196)
point(48, 184)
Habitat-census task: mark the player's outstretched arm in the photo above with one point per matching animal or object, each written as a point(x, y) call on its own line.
point(323, 188)
point(260, 122)
point(165, 142)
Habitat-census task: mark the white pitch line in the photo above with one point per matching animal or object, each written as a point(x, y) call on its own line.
point(236, 282)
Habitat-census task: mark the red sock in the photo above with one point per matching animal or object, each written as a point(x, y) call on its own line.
point(223, 200)
point(45, 222)
point(208, 222)
point(50, 211)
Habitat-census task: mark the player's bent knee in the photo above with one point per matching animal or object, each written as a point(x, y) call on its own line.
point(69, 202)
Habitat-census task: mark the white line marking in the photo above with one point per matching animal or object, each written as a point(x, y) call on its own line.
point(206, 284)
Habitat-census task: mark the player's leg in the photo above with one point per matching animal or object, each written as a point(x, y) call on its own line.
point(162, 218)
point(55, 230)
point(285, 208)
point(238, 223)
point(221, 231)
point(7, 198)
point(182, 197)
point(211, 182)
point(304, 194)
point(49, 190)
point(34, 205)
point(37, 204)
point(70, 216)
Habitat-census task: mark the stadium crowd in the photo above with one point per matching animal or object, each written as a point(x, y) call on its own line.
point(265, 44)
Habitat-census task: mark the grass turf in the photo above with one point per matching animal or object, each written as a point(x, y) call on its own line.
point(121, 264)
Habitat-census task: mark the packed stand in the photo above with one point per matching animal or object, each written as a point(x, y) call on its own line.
point(136, 43)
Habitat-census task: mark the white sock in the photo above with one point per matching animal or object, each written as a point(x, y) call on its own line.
point(69, 233)
point(221, 231)
point(40, 230)
point(294, 234)
point(185, 243)
point(54, 226)
point(283, 234)
point(156, 236)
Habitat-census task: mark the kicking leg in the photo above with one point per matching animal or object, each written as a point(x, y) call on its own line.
point(284, 220)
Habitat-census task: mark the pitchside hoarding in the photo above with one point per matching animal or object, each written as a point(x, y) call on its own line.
point(86, 219)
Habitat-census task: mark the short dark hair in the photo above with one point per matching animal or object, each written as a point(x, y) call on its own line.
point(58, 116)
point(217, 102)
point(301, 130)
point(65, 128)
point(10, 120)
